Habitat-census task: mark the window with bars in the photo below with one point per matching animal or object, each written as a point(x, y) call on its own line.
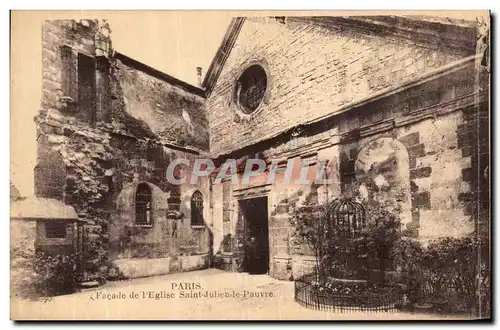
point(55, 229)
point(143, 199)
point(197, 209)
point(251, 87)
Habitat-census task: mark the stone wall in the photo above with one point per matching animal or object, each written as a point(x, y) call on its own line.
point(409, 149)
point(280, 197)
point(425, 122)
point(94, 154)
point(173, 114)
point(96, 141)
point(171, 233)
point(314, 70)
point(77, 35)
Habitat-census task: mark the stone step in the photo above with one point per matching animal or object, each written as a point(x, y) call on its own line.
point(88, 285)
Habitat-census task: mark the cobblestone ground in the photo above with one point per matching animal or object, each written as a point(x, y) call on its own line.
point(114, 301)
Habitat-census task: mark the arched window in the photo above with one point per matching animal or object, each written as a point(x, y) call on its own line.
point(143, 206)
point(197, 209)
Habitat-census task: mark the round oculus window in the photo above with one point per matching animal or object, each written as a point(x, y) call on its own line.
point(250, 89)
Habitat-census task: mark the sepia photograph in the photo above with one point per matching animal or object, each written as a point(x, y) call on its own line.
point(258, 165)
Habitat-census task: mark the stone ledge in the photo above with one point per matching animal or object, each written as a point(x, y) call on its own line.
point(134, 268)
point(282, 258)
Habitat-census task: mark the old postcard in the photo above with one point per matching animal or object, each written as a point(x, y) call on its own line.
point(175, 165)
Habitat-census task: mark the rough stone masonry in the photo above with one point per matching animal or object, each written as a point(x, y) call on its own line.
point(397, 107)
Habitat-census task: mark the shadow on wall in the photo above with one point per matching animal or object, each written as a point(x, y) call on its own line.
point(120, 116)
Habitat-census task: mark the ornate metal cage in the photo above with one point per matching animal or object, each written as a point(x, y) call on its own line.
point(347, 217)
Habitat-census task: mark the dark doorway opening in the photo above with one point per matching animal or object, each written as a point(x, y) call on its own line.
point(256, 252)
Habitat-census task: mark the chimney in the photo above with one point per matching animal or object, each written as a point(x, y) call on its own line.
point(198, 74)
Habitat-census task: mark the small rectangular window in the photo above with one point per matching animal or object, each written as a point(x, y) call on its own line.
point(55, 229)
point(69, 75)
point(86, 86)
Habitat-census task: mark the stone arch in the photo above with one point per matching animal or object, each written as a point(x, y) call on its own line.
point(186, 198)
point(382, 170)
point(197, 207)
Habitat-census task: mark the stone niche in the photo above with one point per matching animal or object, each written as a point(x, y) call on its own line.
point(383, 176)
point(164, 244)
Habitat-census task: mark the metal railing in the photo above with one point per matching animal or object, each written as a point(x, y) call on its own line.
point(311, 296)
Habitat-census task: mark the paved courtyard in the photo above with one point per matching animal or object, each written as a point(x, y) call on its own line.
point(231, 296)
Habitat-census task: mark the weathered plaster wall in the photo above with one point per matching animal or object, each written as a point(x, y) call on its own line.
point(314, 71)
point(172, 114)
point(425, 124)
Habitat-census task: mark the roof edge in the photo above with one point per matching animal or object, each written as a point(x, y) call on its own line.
point(159, 74)
point(222, 54)
point(40, 208)
point(452, 36)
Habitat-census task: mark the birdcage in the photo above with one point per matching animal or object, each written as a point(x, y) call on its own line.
point(344, 283)
point(347, 217)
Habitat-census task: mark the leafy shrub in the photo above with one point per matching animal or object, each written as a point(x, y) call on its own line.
point(309, 222)
point(448, 269)
point(451, 270)
point(407, 253)
point(37, 274)
point(342, 257)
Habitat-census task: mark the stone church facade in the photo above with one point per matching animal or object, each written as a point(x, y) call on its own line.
point(396, 107)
